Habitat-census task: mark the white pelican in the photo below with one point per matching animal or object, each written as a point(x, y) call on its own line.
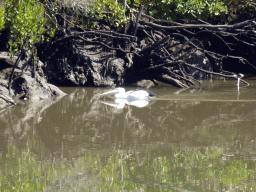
point(119, 93)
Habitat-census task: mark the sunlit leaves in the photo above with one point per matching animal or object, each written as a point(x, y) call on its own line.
point(25, 19)
point(173, 9)
point(1, 18)
point(111, 11)
point(52, 33)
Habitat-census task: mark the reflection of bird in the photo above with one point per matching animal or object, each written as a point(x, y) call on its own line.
point(119, 93)
point(117, 104)
point(120, 103)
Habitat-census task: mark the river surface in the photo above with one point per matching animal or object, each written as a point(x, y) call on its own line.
point(200, 139)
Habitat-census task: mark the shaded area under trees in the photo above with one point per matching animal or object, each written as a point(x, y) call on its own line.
point(152, 49)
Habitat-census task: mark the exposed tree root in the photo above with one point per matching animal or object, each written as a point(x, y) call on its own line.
point(159, 50)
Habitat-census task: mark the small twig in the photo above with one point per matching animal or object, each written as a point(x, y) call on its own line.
point(7, 99)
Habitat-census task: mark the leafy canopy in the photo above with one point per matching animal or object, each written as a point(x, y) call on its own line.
point(111, 11)
point(182, 9)
point(1, 18)
point(25, 19)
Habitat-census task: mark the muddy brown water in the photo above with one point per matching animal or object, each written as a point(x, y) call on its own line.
point(200, 139)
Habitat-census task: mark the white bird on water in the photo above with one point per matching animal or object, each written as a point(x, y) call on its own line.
point(119, 93)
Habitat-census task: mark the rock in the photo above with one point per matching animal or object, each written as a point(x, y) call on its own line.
point(25, 87)
point(6, 61)
point(198, 59)
point(90, 67)
point(23, 83)
point(5, 99)
point(29, 88)
point(111, 76)
point(145, 83)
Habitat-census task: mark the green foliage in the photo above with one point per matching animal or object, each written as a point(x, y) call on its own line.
point(110, 10)
point(180, 9)
point(89, 23)
point(1, 18)
point(200, 7)
point(25, 18)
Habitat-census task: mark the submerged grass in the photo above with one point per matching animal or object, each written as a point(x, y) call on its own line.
point(21, 171)
point(159, 169)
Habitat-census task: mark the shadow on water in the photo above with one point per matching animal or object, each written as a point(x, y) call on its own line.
point(184, 140)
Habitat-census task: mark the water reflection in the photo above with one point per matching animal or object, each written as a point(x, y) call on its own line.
point(120, 103)
point(177, 142)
